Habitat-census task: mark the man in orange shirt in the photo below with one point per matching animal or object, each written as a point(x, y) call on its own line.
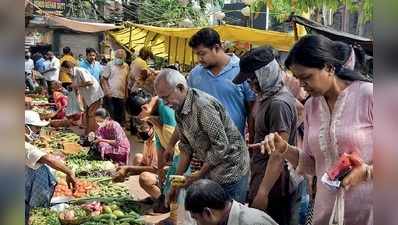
point(64, 76)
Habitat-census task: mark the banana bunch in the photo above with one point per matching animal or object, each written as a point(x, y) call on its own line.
point(177, 181)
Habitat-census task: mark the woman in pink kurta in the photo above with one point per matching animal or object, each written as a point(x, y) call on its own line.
point(111, 139)
point(338, 119)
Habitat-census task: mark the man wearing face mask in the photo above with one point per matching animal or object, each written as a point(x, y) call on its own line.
point(208, 204)
point(39, 181)
point(84, 84)
point(114, 84)
point(275, 187)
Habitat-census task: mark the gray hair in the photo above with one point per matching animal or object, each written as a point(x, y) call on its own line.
point(171, 77)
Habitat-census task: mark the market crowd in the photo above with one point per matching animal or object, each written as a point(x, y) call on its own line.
point(258, 140)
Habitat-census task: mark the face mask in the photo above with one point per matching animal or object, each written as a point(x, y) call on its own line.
point(32, 136)
point(144, 135)
point(101, 124)
point(26, 57)
point(118, 61)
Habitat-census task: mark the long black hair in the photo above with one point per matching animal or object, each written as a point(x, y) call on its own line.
point(316, 51)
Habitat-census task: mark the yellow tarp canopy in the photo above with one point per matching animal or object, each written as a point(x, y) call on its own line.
point(172, 43)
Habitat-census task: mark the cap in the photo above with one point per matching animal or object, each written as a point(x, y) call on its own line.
point(252, 61)
point(33, 118)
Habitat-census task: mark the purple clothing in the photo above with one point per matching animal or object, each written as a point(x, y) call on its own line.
point(327, 136)
point(119, 152)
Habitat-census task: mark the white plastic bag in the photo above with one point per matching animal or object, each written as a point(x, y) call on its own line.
point(183, 216)
point(73, 106)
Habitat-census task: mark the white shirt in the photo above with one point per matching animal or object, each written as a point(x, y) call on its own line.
point(54, 74)
point(32, 156)
point(29, 66)
point(90, 93)
point(243, 215)
point(117, 79)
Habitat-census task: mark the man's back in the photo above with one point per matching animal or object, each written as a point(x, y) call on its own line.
point(231, 96)
point(243, 215)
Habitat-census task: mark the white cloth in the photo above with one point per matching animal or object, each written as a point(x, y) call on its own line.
point(29, 66)
point(54, 74)
point(90, 93)
point(243, 215)
point(117, 79)
point(32, 156)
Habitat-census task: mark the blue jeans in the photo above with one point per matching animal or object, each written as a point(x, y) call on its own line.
point(299, 201)
point(238, 191)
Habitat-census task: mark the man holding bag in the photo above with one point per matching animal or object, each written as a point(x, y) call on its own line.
point(84, 84)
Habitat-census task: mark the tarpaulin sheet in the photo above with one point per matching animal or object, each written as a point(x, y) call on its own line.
point(86, 27)
point(173, 42)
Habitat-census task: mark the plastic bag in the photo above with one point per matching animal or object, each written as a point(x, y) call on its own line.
point(73, 106)
point(183, 216)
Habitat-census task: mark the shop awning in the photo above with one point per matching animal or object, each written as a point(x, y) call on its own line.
point(173, 42)
point(87, 27)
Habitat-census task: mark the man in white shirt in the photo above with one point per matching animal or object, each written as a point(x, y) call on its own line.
point(89, 88)
point(216, 208)
point(29, 66)
point(114, 83)
point(39, 181)
point(51, 73)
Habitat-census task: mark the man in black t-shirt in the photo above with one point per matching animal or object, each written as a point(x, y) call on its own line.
point(276, 112)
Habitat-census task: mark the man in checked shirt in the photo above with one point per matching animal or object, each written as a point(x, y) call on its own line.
point(206, 132)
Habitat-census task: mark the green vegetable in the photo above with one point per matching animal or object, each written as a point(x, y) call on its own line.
point(118, 213)
point(107, 209)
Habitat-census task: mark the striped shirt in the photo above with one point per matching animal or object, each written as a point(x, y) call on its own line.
point(208, 133)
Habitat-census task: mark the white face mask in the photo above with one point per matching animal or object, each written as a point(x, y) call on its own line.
point(118, 61)
point(32, 136)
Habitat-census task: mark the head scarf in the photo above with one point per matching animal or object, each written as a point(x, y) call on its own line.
point(270, 79)
point(350, 63)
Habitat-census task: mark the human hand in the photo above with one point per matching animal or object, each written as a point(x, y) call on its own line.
point(121, 174)
point(71, 181)
point(260, 201)
point(192, 178)
point(274, 143)
point(154, 120)
point(168, 154)
point(357, 175)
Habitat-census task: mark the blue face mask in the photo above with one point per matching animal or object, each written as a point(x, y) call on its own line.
point(118, 61)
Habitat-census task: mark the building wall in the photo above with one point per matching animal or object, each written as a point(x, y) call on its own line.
point(78, 42)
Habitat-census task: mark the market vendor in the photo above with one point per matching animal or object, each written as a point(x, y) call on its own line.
point(59, 118)
point(111, 139)
point(39, 181)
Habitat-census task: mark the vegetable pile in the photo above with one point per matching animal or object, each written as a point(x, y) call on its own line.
point(83, 188)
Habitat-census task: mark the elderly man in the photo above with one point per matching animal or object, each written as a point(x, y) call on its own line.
point(114, 84)
point(206, 132)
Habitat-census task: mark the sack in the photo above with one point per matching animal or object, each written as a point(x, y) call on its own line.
point(73, 106)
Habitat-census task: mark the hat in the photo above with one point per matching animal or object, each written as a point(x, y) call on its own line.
point(33, 118)
point(252, 61)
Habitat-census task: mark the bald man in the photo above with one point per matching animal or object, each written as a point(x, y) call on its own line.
point(114, 84)
point(206, 132)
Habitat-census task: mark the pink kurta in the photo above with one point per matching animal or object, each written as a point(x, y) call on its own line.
point(327, 136)
point(119, 152)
